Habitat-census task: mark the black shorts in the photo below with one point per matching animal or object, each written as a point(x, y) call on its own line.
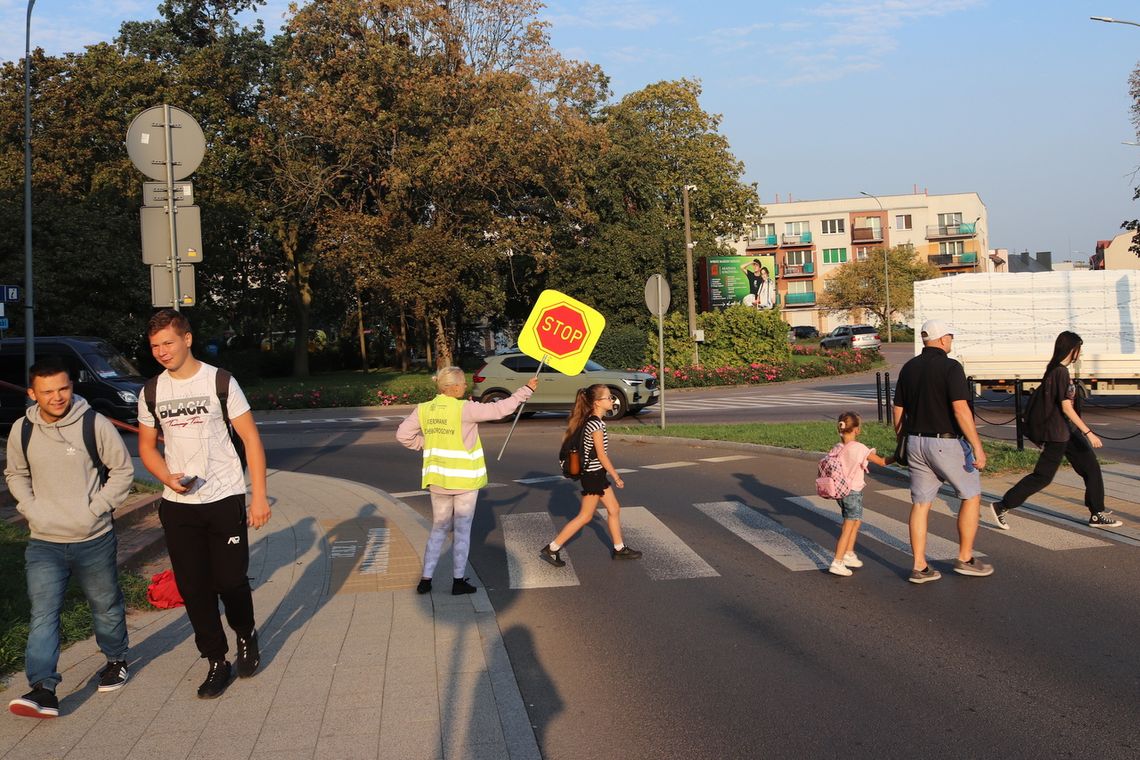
point(594, 482)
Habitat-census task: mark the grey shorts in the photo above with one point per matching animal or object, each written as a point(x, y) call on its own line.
point(934, 461)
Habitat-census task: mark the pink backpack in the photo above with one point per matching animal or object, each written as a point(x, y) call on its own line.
point(832, 482)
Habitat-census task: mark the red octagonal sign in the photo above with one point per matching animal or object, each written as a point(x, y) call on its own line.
point(561, 330)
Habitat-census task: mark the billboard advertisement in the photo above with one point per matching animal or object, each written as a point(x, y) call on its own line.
point(748, 280)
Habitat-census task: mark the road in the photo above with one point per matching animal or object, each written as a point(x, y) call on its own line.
point(730, 640)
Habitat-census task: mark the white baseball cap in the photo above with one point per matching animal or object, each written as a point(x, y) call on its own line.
point(933, 329)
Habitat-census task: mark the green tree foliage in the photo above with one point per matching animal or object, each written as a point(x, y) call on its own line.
point(734, 336)
point(656, 140)
point(1134, 91)
point(858, 285)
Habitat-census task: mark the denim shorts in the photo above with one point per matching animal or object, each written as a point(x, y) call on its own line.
point(852, 505)
point(934, 461)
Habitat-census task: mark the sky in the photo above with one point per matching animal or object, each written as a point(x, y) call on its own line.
point(1025, 103)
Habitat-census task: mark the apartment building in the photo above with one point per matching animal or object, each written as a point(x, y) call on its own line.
point(809, 240)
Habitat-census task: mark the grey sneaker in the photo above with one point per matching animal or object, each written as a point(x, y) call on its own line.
point(999, 513)
point(925, 575)
point(1104, 520)
point(974, 567)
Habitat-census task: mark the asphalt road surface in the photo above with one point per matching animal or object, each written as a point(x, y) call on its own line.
point(730, 640)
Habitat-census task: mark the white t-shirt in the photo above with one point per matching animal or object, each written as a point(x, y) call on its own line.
point(196, 439)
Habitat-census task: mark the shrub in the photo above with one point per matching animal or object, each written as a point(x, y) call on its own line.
point(623, 346)
point(738, 335)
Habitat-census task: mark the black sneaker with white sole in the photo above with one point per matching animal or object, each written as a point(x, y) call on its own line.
point(40, 702)
point(1104, 520)
point(217, 680)
point(551, 556)
point(114, 676)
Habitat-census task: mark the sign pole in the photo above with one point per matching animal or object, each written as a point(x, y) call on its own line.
point(518, 413)
point(170, 206)
point(661, 350)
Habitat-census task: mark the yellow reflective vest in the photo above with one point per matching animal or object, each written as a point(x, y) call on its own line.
point(447, 462)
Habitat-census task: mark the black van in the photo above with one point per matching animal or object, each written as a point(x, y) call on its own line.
point(102, 375)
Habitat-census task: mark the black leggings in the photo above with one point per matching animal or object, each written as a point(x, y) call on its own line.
point(209, 552)
point(1080, 455)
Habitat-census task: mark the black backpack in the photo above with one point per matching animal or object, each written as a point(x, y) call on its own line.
point(221, 390)
point(88, 442)
point(570, 455)
point(1035, 416)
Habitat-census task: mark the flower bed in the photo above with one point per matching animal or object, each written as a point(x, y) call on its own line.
point(806, 362)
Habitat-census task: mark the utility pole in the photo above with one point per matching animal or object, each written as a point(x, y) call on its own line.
point(689, 273)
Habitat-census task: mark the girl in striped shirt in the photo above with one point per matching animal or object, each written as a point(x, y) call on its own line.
point(589, 407)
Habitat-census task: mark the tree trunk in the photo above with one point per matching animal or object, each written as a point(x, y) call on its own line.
point(402, 340)
point(360, 332)
point(443, 350)
point(301, 293)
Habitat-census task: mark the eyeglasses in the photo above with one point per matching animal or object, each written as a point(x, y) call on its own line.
point(607, 398)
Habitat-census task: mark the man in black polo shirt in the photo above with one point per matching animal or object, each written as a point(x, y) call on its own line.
point(932, 403)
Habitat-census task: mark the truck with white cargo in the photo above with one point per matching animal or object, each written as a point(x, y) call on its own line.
point(1005, 325)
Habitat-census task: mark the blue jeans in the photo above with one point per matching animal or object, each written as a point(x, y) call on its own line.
point(49, 567)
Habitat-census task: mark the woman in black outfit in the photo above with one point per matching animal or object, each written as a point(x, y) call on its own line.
point(1066, 435)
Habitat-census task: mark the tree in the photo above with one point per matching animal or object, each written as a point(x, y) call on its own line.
point(1134, 91)
point(858, 285)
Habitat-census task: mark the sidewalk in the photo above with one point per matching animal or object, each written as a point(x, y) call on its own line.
point(354, 663)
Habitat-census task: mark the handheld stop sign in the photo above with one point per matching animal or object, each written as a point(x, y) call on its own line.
point(561, 331)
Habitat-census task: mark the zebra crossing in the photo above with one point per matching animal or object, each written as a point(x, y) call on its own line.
point(770, 398)
point(667, 555)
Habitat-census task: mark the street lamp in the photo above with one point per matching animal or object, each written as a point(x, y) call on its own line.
point(886, 274)
point(1108, 20)
point(689, 272)
point(29, 328)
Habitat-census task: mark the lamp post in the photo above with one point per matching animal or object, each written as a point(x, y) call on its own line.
point(689, 272)
point(886, 272)
point(29, 327)
point(1108, 20)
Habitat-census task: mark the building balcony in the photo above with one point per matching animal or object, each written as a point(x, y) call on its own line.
point(954, 260)
point(866, 235)
point(807, 269)
point(793, 300)
point(793, 240)
point(768, 241)
point(936, 231)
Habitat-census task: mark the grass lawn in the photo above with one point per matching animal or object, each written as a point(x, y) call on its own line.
point(15, 610)
point(383, 387)
point(820, 436)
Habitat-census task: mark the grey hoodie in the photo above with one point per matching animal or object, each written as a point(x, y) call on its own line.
point(60, 497)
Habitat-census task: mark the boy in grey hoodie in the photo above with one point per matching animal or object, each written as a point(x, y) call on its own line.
point(67, 504)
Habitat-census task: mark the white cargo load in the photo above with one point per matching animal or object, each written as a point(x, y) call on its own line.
point(1005, 324)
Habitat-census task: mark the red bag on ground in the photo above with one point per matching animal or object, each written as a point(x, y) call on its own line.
point(163, 591)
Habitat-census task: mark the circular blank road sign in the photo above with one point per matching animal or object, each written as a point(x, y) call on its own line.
point(146, 143)
point(657, 284)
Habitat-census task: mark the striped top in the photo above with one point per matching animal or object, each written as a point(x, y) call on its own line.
point(592, 462)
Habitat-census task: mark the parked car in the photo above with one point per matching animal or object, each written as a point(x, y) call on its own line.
point(101, 375)
point(502, 374)
point(856, 337)
point(802, 332)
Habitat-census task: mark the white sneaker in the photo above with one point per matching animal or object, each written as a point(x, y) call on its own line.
point(838, 568)
point(850, 560)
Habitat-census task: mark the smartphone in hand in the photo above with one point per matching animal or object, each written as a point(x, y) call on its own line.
point(188, 481)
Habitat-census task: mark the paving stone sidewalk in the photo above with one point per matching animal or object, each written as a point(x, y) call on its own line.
point(355, 664)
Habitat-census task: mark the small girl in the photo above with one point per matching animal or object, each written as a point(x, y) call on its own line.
point(589, 406)
point(854, 457)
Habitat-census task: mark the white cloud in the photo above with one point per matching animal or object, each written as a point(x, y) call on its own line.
point(613, 14)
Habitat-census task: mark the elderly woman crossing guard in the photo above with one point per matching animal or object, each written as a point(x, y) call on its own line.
point(454, 470)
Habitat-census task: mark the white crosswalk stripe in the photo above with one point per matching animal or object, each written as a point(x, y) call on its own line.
point(1021, 528)
point(523, 536)
point(790, 549)
point(666, 557)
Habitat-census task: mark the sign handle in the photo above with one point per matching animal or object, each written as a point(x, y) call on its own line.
point(518, 412)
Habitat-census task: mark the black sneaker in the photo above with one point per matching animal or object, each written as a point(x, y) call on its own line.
point(1104, 520)
point(248, 656)
point(40, 702)
point(460, 586)
point(627, 553)
point(999, 512)
point(551, 556)
point(424, 587)
point(114, 676)
point(216, 680)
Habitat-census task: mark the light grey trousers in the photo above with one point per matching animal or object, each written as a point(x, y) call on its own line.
point(452, 512)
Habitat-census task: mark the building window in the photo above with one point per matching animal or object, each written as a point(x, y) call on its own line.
point(797, 258)
point(796, 228)
point(902, 222)
point(834, 255)
point(833, 226)
point(861, 253)
point(952, 248)
point(799, 286)
point(762, 231)
point(950, 220)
